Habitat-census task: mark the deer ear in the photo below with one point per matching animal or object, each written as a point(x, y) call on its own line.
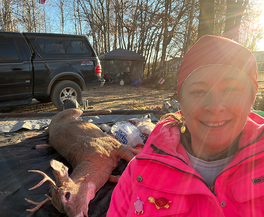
point(60, 170)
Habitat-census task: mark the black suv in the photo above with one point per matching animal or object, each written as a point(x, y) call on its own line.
point(48, 67)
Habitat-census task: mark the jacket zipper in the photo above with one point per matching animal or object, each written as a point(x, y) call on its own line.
point(160, 151)
point(139, 158)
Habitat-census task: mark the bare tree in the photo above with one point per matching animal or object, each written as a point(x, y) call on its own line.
point(189, 27)
point(234, 13)
point(62, 15)
point(206, 18)
point(220, 14)
point(2, 26)
point(251, 30)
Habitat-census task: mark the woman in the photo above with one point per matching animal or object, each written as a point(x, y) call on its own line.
point(215, 165)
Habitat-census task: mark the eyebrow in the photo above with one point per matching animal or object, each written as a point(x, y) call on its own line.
point(203, 82)
point(197, 82)
point(230, 79)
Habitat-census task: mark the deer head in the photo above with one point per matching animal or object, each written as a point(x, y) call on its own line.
point(67, 196)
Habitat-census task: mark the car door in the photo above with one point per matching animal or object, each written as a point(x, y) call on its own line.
point(15, 68)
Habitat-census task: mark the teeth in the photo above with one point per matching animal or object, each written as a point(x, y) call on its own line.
point(215, 124)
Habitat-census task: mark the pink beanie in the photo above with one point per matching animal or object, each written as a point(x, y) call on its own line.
point(218, 50)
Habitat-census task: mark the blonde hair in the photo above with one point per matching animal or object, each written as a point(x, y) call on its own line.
point(175, 119)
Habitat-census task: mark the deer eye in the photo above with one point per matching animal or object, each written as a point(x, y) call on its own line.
point(67, 195)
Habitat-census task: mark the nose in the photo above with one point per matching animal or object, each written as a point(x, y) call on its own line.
point(214, 103)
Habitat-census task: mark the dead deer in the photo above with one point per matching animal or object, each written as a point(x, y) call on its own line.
point(92, 154)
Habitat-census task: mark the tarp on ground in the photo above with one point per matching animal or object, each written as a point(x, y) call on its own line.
point(121, 60)
point(40, 123)
point(17, 156)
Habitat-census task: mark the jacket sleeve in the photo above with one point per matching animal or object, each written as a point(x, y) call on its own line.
point(121, 196)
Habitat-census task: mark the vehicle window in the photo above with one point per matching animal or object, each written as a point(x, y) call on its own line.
point(8, 50)
point(77, 47)
point(54, 46)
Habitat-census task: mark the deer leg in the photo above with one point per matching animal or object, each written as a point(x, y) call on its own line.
point(42, 146)
point(133, 150)
point(113, 178)
point(125, 153)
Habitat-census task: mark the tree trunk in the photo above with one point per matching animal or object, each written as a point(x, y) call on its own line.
point(29, 24)
point(62, 16)
point(234, 13)
point(206, 18)
point(189, 29)
point(2, 26)
point(75, 16)
point(165, 37)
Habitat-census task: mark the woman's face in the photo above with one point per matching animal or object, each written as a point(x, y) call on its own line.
point(215, 101)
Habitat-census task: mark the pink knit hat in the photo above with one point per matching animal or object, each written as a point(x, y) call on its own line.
point(214, 50)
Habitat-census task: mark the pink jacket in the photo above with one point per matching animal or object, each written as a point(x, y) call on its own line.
point(167, 173)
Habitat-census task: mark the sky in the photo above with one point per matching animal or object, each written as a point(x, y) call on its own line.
point(54, 25)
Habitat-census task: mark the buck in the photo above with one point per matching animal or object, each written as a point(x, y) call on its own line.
point(92, 154)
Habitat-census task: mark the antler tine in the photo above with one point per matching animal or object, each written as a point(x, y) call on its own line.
point(46, 178)
point(38, 204)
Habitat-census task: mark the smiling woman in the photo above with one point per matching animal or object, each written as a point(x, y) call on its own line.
point(212, 98)
point(214, 166)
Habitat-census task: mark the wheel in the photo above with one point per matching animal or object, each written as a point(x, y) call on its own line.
point(65, 90)
point(43, 99)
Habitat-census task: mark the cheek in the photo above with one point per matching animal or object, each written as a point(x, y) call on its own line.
point(241, 105)
point(191, 108)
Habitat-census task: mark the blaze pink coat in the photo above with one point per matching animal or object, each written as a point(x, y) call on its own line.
point(163, 169)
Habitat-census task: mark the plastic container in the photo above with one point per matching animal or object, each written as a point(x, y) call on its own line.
point(127, 133)
point(85, 104)
point(122, 82)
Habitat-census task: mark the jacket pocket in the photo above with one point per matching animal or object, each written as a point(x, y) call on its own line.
point(248, 188)
point(248, 194)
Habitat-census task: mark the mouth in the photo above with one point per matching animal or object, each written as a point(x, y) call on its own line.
point(215, 124)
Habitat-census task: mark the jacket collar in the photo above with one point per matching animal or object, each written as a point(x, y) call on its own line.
point(166, 139)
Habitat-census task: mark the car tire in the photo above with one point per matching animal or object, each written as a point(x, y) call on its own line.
point(65, 90)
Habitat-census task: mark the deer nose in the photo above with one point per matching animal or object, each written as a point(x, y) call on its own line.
point(85, 215)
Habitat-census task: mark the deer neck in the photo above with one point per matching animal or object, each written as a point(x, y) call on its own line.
point(88, 172)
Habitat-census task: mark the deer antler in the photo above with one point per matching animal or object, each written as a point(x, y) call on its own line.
point(46, 178)
point(38, 204)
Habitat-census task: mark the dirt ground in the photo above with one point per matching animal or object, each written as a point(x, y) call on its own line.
point(110, 96)
point(127, 97)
